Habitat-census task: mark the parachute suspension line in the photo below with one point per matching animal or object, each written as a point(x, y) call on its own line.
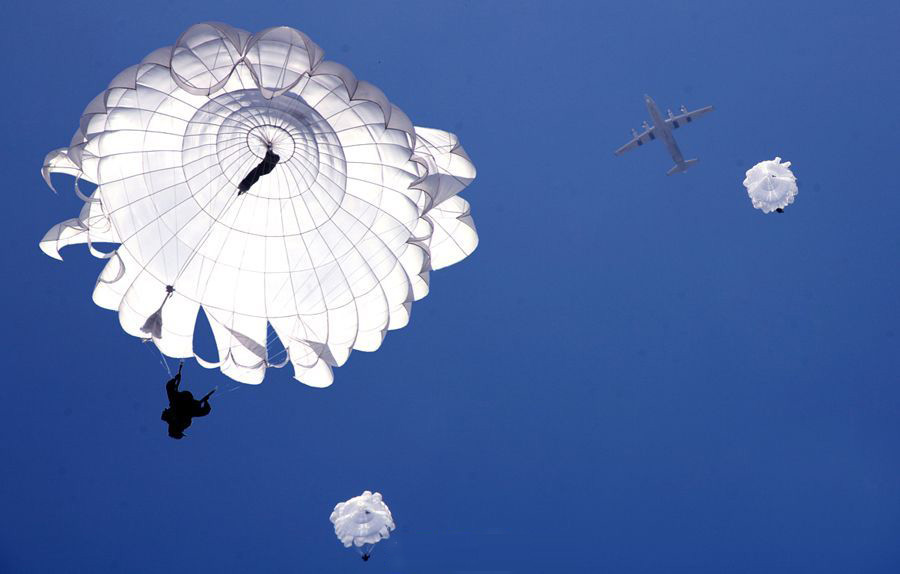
point(262, 140)
point(276, 357)
point(366, 550)
point(171, 288)
point(219, 396)
point(162, 358)
point(164, 362)
point(204, 238)
point(153, 325)
point(271, 339)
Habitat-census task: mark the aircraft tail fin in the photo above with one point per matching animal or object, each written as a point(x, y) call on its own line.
point(682, 167)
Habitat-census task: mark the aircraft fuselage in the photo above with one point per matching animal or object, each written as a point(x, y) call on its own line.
point(664, 132)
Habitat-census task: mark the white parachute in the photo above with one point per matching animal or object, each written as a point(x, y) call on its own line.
point(362, 521)
point(771, 185)
point(329, 247)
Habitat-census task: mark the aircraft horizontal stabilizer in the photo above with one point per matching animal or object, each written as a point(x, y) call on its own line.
point(682, 167)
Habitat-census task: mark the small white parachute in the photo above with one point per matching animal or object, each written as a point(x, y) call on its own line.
point(771, 185)
point(362, 521)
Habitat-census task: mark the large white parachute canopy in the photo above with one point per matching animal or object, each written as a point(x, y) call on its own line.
point(771, 185)
point(351, 206)
point(362, 521)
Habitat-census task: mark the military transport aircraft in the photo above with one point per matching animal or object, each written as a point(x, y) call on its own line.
point(662, 129)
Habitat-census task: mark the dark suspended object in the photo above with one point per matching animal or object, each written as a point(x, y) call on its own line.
point(265, 167)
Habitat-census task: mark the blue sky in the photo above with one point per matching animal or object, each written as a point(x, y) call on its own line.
point(633, 373)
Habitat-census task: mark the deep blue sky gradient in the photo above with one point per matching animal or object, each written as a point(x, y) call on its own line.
point(633, 373)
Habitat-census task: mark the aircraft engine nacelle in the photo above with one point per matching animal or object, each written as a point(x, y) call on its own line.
point(645, 125)
point(683, 109)
point(671, 115)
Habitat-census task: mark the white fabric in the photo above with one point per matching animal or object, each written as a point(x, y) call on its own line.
point(330, 248)
point(363, 519)
point(771, 185)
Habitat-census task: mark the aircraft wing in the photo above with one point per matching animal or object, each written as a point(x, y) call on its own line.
point(686, 117)
point(638, 140)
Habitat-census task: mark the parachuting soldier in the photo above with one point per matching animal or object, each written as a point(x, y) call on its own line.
point(183, 406)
